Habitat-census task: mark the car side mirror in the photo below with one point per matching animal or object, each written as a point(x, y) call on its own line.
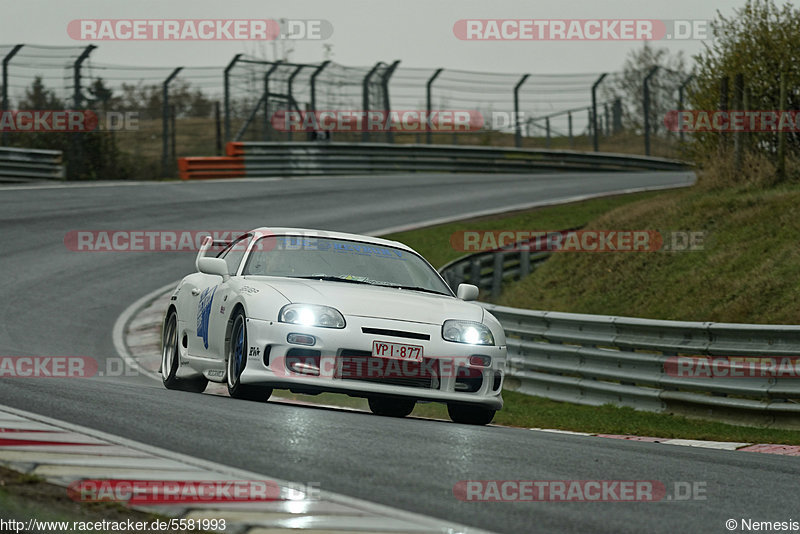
point(214, 266)
point(467, 292)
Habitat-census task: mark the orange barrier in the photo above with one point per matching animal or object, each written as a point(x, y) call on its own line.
point(234, 148)
point(212, 167)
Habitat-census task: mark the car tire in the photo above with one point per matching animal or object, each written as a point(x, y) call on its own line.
point(470, 414)
point(170, 356)
point(236, 362)
point(391, 407)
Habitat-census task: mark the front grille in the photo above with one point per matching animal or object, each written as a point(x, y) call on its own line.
point(361, 365)
point(395, 333)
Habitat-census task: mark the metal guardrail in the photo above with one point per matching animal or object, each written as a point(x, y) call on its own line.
point(490, 268)
point(21, 164)
point(313, 158)
point(595, 359)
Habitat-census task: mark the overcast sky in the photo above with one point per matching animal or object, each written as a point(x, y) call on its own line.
point(418, 32)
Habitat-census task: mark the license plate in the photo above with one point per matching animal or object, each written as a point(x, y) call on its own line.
point(397, 351)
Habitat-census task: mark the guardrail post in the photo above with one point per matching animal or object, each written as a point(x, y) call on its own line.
point(289, 92)
point(475, 272)
point(385, 86)
point(517, 127)
point(595, 138)
point(267, 129)
point(681, 90)
point(165, 122)
point(429, 104)
point(365, 101)
point(524, 263)
point(646, 108)
point(4, 104)
point(497, 274)
point(228, 96)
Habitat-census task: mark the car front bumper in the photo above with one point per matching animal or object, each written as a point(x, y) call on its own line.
point(340, 360)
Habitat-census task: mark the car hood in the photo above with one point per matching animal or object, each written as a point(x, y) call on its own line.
point(373, 301)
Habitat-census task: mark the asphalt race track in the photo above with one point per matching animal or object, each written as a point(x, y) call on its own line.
point(60, 302)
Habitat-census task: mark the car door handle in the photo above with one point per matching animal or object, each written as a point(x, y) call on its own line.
point(195, 292)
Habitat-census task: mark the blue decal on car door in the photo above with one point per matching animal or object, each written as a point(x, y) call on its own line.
point(203, 313)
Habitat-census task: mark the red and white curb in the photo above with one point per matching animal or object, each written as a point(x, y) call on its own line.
point(769, 448)
point(63, 453)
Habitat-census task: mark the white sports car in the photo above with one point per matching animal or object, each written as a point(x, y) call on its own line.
point(313, 311)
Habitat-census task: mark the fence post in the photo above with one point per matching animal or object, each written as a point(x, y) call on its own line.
point(595, 139)
point(314, 83)
point(607, 121)
point(228, 96)
point(292, 102)
point(165, 122)
point(782, 135)
point(723, 106)
point(517, 127)
point(646, 108)
point(569, 129)
point(547, 129)
point(267, 129)
point(76, 159)
point(387, 106)
point(681, 90)
point(616, 112)
point(365, 101)
point(218, 127)
point(4, 104)
point(429, 104)
point(738, 92)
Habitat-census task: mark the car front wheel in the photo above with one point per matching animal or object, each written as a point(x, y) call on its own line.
point(470, 415)
point(237, 360)
point(391, 407)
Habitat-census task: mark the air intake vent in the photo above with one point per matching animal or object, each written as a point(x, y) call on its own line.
point(395, 333)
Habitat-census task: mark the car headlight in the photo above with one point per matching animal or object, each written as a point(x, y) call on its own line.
point(311, 315)
point(467, 332)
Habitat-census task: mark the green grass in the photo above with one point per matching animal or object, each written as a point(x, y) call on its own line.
point(746, 272)
point(434, 242)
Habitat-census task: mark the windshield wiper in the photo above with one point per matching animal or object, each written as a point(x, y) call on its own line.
point(414, 288)
point(332, 279)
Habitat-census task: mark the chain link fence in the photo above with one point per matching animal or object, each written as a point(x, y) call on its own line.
point(148, 116)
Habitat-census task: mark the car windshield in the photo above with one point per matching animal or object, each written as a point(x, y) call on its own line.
point(342, 260)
